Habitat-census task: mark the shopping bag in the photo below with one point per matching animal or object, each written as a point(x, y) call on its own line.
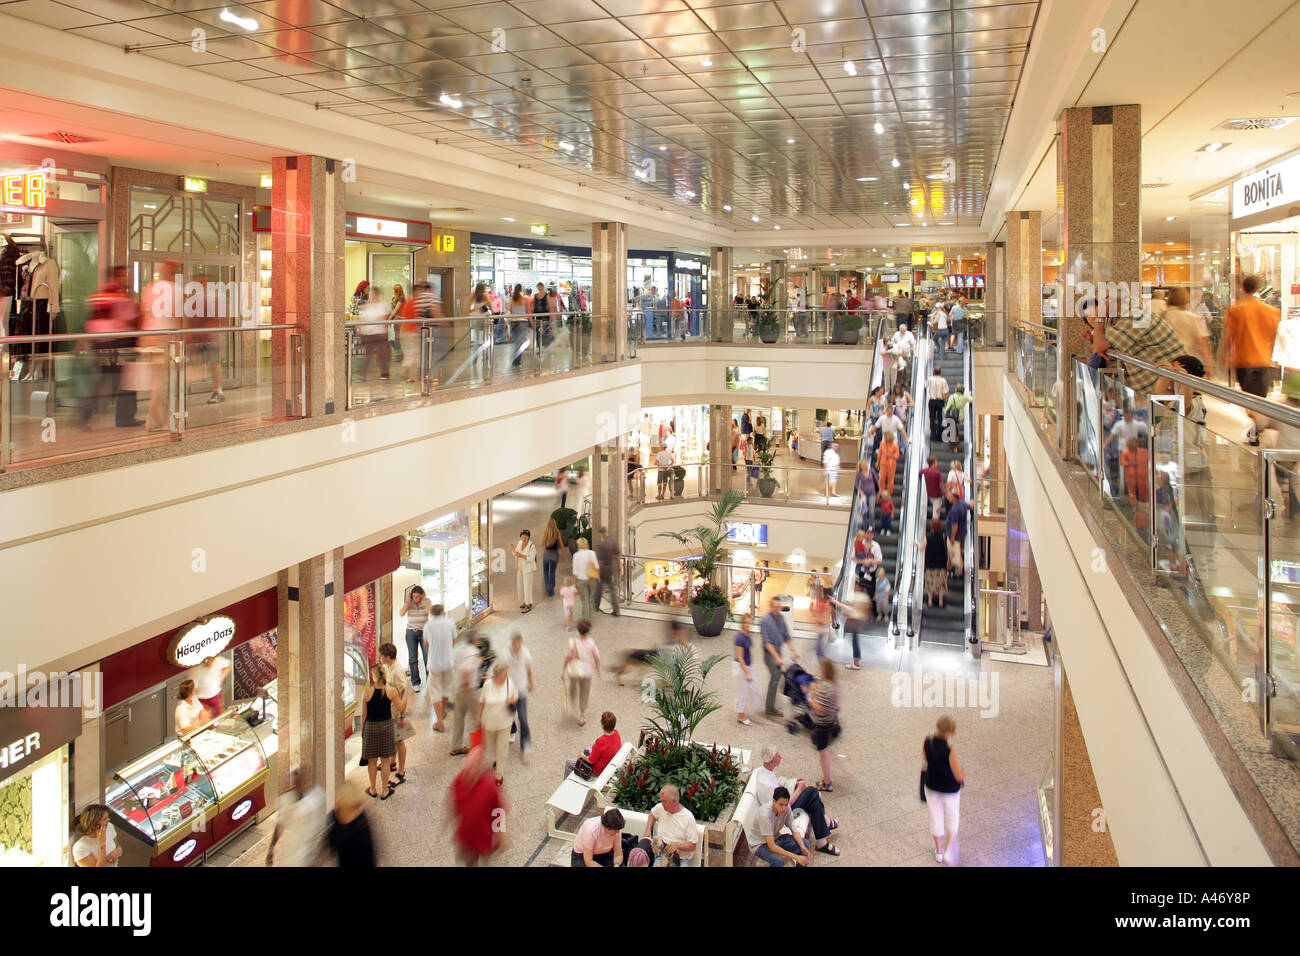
point(476, 738)
point(139, 376)
point(403, 729)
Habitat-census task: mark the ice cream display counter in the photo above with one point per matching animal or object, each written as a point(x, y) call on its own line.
point(180, 800)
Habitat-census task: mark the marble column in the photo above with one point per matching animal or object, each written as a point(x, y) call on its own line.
point(310, 651)
point(776, 283)
point(307, 285)
point(719, 448)
point(609, 490)
point(814, 289)
point(1098, 182)
point(721, 292)
point(609, 291)
point(995, 319)
point(1085, 839)
point(1024, 271)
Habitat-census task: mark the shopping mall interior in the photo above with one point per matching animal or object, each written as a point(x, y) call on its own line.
point(861, 386)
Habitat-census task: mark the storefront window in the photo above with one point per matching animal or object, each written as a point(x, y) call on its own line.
point(449, 555)
point(361, 619)
point(684, 428)
point(34, 813)
point(504, 267)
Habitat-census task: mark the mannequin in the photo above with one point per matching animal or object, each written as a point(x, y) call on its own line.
point(38, 293)
point(8, 280)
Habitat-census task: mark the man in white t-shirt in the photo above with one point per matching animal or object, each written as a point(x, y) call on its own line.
point(664, 459)
point(831, 465)
point(766, 839)
point(439, 640)
point(209, 679)
point(802, 797)
point(519, 664)
point(676, 833)
point(889, 422)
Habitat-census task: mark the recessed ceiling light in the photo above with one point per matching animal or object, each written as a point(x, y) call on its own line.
point(248, 23)
point(850, 68)
point(1170, 218)
point(1168, 243)
point(707, 63)
point(945, 224)
point(916, 202)
point(663, 149)
point(755, 218)
point(566, 146)
point(867, 179)
point(506, 219)
point(1212, 147)
point(446, 99)
point(886, 202)
point(727, 208)
point(907, 185)
point(925, 224)
point(894, 162)
point(776, 227)
point(880, 127)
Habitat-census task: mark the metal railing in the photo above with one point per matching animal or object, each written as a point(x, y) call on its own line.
point(765, 326)
point(150, 380)
point(915, 511)
point(693, 481)
point(436, 354)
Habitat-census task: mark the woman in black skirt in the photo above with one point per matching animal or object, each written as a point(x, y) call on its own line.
point(378, 745)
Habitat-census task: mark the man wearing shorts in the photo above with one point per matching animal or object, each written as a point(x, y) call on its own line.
point(665, 462)
point(439, 638)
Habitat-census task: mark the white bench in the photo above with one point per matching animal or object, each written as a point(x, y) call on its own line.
point(634, 823)
point(745, 808)
point(571, 796)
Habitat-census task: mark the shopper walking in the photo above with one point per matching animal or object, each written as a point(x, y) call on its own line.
point(939, 325)
point(1249, 334)
point(301, 824)
point(349, 831)
point(552, 546)
point(377, 742)
point(868, 490)
point(496, 702)
point(478, 812)
point(439, 643)
point(581, 663)
point(465, 674)
point(936, 390)
point(569, 594)
point(374, 333)
point(607, 553)
point(776, 636)
point(586, 569)
point(932, 480)
point(416, 610)
point(525, 564)
point(742, 669)
point(935, 547)
point(858, 615)
point(942, 779)
point(520, 660)
point(831, 468)
point(824, 699)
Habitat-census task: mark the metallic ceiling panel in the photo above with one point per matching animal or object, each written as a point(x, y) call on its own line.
point(592, 31)
point(486, 17)
point(992, 40)
point(911, 25)
point(814, 11)
point(690, 45)
point(995, 17)
point(742, 16)
point(557, 58)
point(914, 45)
point(458, 45)
point(560, 11)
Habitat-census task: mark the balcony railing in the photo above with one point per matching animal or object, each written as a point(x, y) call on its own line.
point(759, 482)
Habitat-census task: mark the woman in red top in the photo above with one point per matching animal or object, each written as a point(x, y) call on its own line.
point(479, 808)
point(605, 748)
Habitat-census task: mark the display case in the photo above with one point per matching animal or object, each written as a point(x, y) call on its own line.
point(193, 791)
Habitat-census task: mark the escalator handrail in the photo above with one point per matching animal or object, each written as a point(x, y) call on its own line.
point(970, 551)
point(912, 513)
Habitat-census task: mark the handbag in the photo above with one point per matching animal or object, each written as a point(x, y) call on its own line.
point(574, 670)
point(593, 571)
point(403, 729)
point(926, 748)
point(584, 769)
point(476, 738)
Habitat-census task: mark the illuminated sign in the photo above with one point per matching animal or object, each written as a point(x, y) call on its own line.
point(1273, 186)
point(241, 811)
point(446, 244)
point(203, 639)
point(195, 185)
point(184, 850)
point(889, 277)
point(392, 228)
point(936, 257)
point(539, 229)
point(25, 189)
point(918, 258)
point(266, 180)
point(748, 378)
point(747, 532)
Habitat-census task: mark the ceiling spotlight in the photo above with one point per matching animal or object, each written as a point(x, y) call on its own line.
point(880, 127)
point(894, 162)
point(907, 185)
point(446, 99)
point(566, 146)
point(925, 224)
point(507, 219)
point(1168, 243)
point(707, 63)
point(727, 208)
point(1212, 147)
point(755, 218)
point(1170, 218)
point(916, 202)
point(791, 141)
point(850, 68)
point(663, 149)
point(867, 179)
point(776, 227)
point(248, 23)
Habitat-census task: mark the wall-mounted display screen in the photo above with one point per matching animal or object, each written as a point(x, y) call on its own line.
point(747, 532)
point(748, 378)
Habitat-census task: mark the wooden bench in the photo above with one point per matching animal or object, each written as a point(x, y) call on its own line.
point(571, 797)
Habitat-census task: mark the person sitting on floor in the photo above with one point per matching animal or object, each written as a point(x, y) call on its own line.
point(804, 798)
point(767, 842)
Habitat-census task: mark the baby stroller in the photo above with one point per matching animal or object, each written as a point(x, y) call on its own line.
point(795, 685)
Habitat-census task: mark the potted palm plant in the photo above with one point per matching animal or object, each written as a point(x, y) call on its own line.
point(709, 601)
point(847, 328)
point(766, 480)
point(679, 481)
point(768, 327)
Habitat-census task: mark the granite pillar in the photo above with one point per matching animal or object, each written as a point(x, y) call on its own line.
point(719, 448)
point(310, 650)
point(1024, 272)
point(1085, 838)
point(995, 318)
point(307, 285)
point(776, 297)
point(721, 292)
point(1098, 178)
point(609, 291)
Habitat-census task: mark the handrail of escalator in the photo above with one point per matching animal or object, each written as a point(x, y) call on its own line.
point(970, 552)
point(912, 514)
point(843, 579)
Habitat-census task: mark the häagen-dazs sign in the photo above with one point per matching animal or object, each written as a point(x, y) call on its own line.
point(195, 643)
point(1268, 188)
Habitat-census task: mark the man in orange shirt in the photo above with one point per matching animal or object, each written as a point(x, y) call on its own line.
point(1247, 345)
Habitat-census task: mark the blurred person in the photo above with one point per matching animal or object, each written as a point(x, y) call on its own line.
point(1158, 303)
point(1151, 339)
point(959, 317)
point(569, 595)
point(640, 658)
point(421, 305)
point(664, 460)
point(203, 347)
point(189, 714)
point(416, 610)
point(935, 548)
point(635, 477)
point(831, 467)
point(886, 514)
point(520, 325)
point(882, 594)
point(209, 680)
point(670, 837)
point(902, 309)
point(957, 520)
point(581, 663)
point(607, 553)
point(439, 658)
point(465, 673)
point(301, 823)
point(360, 296)
point(525, 553)
point(157, 312)
point(767, 842)
point(114, 314)
point(943, 780)
point(378, 744)
point(552, 548)
point(562, 484)
point(902, 347)
point(748, 696)
point(936, 390)
point(349, 831)
point(496, 702)
point(868, 488)
point(96, 844)
point(802, 797)
point(824, 700)
point(776, 637)
point(956, 485)
point(1190, 327)
point(605, 749)
point(520, 661)
point(887, 462)
point(599, 841)
point(902, 403)
point(858, 615)
point(374, 333)
point(827, 435)
point(1249, 334)
point(478, 812)
point(867, 555)
point(940, 327)
point(397, 678)
point(587, 570)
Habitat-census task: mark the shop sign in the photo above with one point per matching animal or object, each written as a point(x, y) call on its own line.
point(205, 638)
point(446, 244)
point(388, 228)
point(747, 532)
point(29, 733)
point(1269, 188)
point(267, 181)
point(539, 228)
point(25, 189)
point(193, 184)
point(241, 811)
point(184, 851)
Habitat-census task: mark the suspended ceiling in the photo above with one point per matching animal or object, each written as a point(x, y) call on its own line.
point(769, 107)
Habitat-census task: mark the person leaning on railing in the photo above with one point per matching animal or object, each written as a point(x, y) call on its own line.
point(1149, 338)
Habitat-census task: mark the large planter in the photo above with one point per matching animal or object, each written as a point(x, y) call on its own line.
point(768, 334)
point(767, 487)
point(679, 487)
point(845, 335)
point(709, 621)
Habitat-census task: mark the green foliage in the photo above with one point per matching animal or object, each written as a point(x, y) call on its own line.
point(821, 414)
point(765, 458)
point(563, 517)
point(680, 701)
point(679, 472)
point(707, 540)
